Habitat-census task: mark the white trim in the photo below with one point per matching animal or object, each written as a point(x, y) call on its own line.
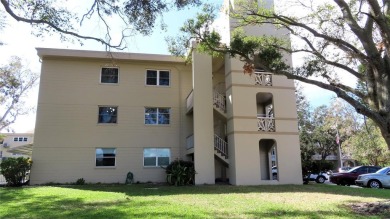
point(157, 113)
point(158, 78)
point(115, 151)
point(156, 165)
point(107, 83)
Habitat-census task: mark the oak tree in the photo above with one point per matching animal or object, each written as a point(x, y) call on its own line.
point(343, 43)
point(52, 16)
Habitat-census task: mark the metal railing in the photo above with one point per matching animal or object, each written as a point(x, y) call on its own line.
point(262, 78)
point(221, 146)
point(265, 124)
point(219, 101)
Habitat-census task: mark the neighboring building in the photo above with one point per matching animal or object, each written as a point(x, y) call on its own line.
point(16, 145)
point(102, 114)
point(335, 159)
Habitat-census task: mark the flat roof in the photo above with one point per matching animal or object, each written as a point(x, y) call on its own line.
point(70, 53)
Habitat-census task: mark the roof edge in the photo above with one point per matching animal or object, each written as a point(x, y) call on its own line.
point(70, 53)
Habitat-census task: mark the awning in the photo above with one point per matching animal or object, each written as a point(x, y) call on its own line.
point(22, 149)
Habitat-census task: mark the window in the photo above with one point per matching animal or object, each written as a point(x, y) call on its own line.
point(156, 157)
point(158, 77)
point(108, 114)
point(157, 116)
point(109, 75)
point(105, 157)
point(20, 139)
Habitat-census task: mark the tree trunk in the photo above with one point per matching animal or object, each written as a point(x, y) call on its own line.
point(385, 130)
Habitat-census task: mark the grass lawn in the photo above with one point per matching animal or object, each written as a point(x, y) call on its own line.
point(154, 201)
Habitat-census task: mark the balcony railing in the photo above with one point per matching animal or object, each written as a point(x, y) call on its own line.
point(219, 101)
point(265, 124)
point(262, 78)
point(221, 146)
point(190, 142)
point(190, 100)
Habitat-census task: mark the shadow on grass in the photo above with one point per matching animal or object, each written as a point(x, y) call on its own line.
point(19, 203)
point(163, 190)
point(28, 202)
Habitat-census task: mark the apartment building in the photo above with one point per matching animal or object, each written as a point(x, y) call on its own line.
point(16, 145)
point(103, 114)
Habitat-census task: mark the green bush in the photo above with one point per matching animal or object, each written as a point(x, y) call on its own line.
point(15, 170)
point(180, 173)
point(80, 181)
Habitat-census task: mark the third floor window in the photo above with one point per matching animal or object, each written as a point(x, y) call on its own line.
point(109, 76)
point(158, 77)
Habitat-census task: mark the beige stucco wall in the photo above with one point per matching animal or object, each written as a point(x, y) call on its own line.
point(203, 119)
point(67, 132)
point(247, 166)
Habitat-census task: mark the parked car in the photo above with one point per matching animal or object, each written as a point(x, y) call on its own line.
point(349, 177)
point(320, 177)
point(344, 169)
point(379, 179)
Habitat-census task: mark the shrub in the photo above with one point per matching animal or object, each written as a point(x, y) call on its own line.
point(15, 170)
point(180, 173)
point(80, 181)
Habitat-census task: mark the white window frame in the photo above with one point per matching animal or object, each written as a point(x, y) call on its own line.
point(101, 75)
point(157, 115)
point(115, 157)
point(158, 78)
point(156, 164)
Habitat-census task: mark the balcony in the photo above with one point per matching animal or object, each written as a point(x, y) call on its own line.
point(265, 124)
point(263, 79)
point(219, 102)
point(220, 145)
point(190, 142)
point(190, 101)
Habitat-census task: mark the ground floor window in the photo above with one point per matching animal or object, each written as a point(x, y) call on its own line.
point(156, 157)
point(105, 157)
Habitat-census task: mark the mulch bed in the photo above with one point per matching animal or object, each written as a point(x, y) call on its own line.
point(371, 208)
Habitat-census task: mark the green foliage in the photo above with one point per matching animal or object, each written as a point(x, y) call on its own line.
point(318, 166)
point(80, 181)
point(338, 42)
point(180, 173)
point(15, 170)
point(368, 146)
point(47, 17)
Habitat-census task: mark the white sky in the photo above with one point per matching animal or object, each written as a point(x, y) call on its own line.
point(20, 42)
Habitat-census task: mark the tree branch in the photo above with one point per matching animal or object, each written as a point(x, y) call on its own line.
point(55, 27)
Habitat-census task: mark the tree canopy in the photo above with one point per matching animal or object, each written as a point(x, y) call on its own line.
point(345, 46)
point(51, 16)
